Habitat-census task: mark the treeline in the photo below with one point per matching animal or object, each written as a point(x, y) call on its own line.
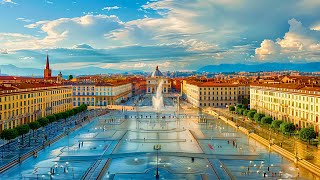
point(21, 130)
point(305, 134)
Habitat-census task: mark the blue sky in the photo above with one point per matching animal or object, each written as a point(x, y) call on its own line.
point(174, 34)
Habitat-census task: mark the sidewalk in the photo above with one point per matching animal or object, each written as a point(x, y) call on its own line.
point(14, 153)
point(296, 146)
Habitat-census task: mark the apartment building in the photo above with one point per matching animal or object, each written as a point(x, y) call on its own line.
point(298, 104)
point(101, 94)
point(213, 94)
point(26, 102)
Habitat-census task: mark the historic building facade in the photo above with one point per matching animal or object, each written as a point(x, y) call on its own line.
point(212, 94)
point(23, 103)
point(101, 94)
point(155, 79)
point(288, 102)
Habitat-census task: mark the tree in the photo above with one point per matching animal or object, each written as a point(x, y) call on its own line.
point(43, 121)
point(70, 77)
point(251, 114)
point(58, 116)
point(22, 130)
point(51, 118)
point(65, 115)
point(307, 134)
point(276, 124)
point(34, 126)
point(253, 110)
point(245, 101)
point(239, 106)
point(266, 120)
point(244, 107)
point(232, 108)
point(258, 116)
point(70, 112)
point(9, 134)
point(287, 128)
point(83, 107)
point(245, 112)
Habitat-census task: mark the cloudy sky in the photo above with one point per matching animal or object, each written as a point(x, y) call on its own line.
point(174, 34)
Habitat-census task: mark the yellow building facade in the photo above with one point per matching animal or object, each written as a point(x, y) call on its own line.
point(26, 105)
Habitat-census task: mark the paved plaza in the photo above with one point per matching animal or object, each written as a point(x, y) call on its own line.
point(184, 144)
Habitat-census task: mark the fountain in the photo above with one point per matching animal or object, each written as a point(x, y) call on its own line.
point(157, 100)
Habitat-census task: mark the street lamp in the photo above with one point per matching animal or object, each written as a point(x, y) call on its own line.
point(157, 148)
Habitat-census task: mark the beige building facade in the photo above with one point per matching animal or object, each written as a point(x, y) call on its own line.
point(288, 102)
point(211, 94)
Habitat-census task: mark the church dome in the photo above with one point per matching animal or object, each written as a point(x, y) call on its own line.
point(157, 73)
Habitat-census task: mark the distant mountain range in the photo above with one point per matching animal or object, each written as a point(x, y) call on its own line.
point(306, 67)
point(17, 71)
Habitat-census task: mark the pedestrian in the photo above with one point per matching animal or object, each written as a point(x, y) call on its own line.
point(82, 143)
point(79, 145)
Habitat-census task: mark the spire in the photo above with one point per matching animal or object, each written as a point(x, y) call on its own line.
point(157, 68)
point(47, 64)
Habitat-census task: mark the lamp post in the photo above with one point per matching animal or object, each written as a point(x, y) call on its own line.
point(157, 148)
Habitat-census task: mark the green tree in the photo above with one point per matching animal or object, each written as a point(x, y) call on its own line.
point(58, 116)
point(251, 114)
point(253, 110)
point(245, 112)
point(307, 134)
point(70, 77)
point(70, 112)
point(9, 134)
point(51, 118)
point(244, 107)
point(245, 101)
point(287, 128)
point(276, 124)
point(266, 120)
point(76, 110)
point(83, 107)
point(65, 115)
point(232, 108)
point(43, 121)
point(22, 130)
point(258, 116)
point(34, 126)
point(239, 106)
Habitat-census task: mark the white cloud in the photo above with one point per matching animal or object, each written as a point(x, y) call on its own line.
point(111, 8)
point(299, 43)
point(8, 1)
point(24, 20)
point(66, 32)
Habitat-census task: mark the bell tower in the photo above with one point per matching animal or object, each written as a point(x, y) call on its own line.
point(47, 70)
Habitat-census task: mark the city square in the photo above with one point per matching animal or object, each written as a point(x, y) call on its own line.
point(159, 89)
point(121, 145)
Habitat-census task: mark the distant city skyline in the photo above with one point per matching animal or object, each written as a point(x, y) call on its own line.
point(176, 35)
